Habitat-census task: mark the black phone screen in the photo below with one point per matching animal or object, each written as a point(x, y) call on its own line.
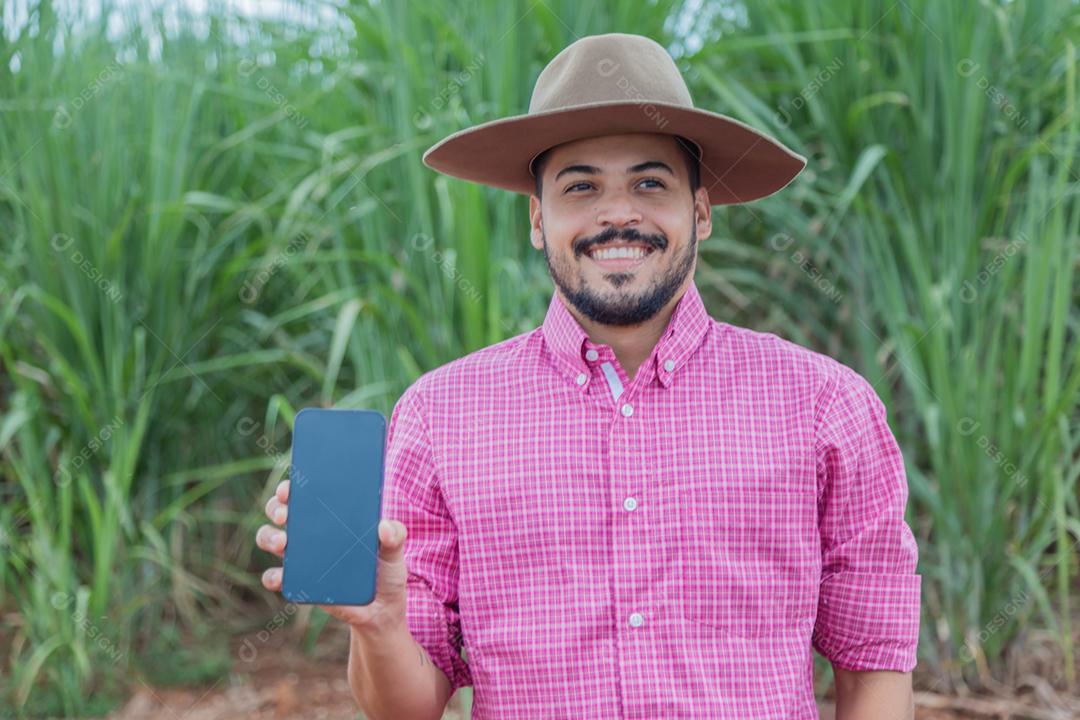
point(335, 496)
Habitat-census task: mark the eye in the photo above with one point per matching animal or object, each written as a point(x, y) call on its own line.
point(658, 182)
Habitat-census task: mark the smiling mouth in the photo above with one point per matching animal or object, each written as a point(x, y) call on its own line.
point(620, 257)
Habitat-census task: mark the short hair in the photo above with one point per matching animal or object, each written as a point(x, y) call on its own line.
point(687, 148)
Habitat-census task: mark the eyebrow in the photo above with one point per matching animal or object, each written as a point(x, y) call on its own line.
point(593, 170)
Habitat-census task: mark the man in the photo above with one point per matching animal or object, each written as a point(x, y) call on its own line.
point(634, 510)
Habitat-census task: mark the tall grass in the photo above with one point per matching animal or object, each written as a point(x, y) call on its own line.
point(210, 221)
point(140, 208)
point(206, 223)
point(943, 209)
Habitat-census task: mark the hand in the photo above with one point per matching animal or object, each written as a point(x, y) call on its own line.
point(388, 607)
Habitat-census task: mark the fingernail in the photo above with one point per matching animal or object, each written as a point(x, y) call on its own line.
point(279, 515)
point(384, 527)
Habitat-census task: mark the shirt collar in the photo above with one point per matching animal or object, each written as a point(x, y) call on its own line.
point(569, 343)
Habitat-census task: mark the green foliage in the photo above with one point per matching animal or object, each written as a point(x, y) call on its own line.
point(211, 222)
point(935, 248)
point(172, 661)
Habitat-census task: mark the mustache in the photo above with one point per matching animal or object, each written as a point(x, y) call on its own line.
point(610, 234)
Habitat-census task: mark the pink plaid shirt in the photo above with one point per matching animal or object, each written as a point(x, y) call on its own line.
point(670, 546)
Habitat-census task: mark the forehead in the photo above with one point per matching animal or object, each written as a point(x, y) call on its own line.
point(615, 150)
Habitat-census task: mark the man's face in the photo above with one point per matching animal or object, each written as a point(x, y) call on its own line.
point(619, 191)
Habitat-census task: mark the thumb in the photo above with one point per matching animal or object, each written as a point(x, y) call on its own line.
point(391, 537)
point(392, 574)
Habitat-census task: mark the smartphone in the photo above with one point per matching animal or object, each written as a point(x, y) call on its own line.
point(335, 498)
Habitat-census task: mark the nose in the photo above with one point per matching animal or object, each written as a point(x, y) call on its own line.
point(618, 209)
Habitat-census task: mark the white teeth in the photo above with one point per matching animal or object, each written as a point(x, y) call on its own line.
point(620, 252)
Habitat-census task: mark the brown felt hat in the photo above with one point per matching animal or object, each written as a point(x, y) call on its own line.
point(613, 84)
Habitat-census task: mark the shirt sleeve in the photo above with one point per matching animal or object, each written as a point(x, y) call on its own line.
point(868, 606)
point(412, 495)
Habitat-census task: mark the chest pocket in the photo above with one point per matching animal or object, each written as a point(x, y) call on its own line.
point(750, 553)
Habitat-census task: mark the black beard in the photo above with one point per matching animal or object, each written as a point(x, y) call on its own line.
point(631, 309)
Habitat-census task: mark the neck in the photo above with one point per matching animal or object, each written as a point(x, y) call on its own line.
point(632, 344)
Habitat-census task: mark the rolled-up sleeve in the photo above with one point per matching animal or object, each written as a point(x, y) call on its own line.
point(868, 606)
point(412, 495)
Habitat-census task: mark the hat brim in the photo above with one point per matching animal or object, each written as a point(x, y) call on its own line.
point(738, 163)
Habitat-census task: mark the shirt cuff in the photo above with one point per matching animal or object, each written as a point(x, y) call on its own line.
point(437, 628)
point(869, 621)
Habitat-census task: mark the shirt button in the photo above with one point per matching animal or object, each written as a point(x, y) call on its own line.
point(581, 378)
point(636, 619)
point(629, 503)
point(669, 365)
point(627, 410)
point(591, 354)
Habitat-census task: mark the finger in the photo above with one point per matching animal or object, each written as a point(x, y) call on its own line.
point(392, 573)
point(276, 511)
point(333, 610)
point(271, 539)
point(345, 613)
point(282, 491)
point(392, 535)
point(271, 579)
point(271, 505)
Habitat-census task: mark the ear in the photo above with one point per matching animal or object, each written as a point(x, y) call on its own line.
point(536, 223)
point(702, 214)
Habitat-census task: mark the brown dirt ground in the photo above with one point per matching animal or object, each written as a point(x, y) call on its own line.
point(281, 682)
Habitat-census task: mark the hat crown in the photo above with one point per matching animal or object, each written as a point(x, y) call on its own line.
point(614, 67)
